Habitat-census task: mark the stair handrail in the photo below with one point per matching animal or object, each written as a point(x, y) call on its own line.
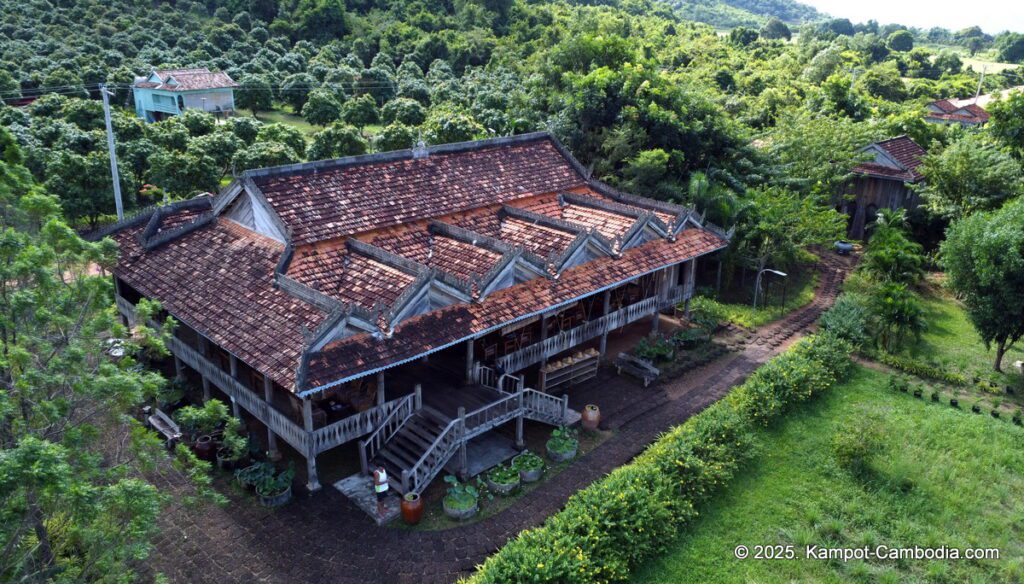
point(412, 473)
point(388, 427)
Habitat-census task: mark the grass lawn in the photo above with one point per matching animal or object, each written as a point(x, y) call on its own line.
point(945, 477)
point(738, 309)
point(280, 116)
point(951, 340)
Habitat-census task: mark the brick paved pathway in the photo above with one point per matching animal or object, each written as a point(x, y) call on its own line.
point(324, 538)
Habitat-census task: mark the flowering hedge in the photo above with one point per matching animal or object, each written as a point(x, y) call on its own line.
point(608, 528)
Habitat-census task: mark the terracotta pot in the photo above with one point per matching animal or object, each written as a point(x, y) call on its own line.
point(591, 417)
point(459, 514)
point(412, 508)
point(204, 448)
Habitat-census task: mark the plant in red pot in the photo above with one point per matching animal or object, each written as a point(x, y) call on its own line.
point(412, 508)
point(199, 424)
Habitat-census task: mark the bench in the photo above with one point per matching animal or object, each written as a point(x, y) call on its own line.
point(637, 367)
point(163, 424)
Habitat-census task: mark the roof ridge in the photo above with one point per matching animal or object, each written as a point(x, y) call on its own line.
point(400, 155)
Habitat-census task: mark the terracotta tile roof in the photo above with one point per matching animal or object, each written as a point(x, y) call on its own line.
point(459, 258)
point(348, 276)
point(189, 80)
point(351, 196)
point(540, 240)
point(970, 113)
point(905, 152)
point(364, 353)
point(608, 223)
point(219, 280)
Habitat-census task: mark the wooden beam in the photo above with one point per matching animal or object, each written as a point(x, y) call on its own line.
point(463, 462)
point(268, 395)
point(604, 335)
point(179, 369)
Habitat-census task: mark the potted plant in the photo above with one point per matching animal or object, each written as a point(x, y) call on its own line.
point(412, 508)
point(955, 400)
point(591, 417)
point(503, 480)
point(995, 407)
point(529, 465)
point(1018, 417)
point(199, 424)
point(253, 475)
point(276, 487)
point(918, 391)
point(461, 501)
point(562, 445)
point(234, 447)
point(976, 407)
point(935, 395)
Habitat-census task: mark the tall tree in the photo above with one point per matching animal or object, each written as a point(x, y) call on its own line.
point(983, 257)
point(970, 175)
point(73, 506)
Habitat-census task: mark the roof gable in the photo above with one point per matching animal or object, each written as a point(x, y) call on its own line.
point(339, 198)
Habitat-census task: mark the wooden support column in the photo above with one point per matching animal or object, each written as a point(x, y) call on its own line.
point(268, 395)
point(380, 388)
point(206, 389)
point(604, 333)
point(204, 346)
point(520, 443)
point(544, 337)
point(463, 462)
point(469, 362)
point(659, 283)
point(233, 362)
point(417, 403)
point(312, 481)
point(718, 275)
point(179, 369)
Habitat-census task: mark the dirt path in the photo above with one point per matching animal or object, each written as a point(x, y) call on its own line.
point(323, 538)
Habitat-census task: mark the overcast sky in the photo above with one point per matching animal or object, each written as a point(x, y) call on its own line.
point(991, 15)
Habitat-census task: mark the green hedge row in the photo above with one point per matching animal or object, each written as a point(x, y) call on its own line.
point(608, 528)
point(915, 367)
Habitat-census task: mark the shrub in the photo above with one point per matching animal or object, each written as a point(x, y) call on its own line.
point(653, 349)
point(610, 527)
point(847, 319)
point(919, 369)
point(856, 442)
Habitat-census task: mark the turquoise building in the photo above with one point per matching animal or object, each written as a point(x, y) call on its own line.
point(171, 92)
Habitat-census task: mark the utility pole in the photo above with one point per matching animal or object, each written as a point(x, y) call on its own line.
point(980, 81)
point(113, 153)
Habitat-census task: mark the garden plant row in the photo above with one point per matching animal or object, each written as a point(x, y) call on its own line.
point(608, 528)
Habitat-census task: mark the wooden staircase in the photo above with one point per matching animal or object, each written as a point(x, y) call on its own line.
point(416, 441)
point(408, 445)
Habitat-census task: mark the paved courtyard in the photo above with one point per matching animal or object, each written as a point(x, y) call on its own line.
point(325, 538)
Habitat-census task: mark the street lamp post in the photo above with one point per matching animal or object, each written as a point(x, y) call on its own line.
point(757, 282)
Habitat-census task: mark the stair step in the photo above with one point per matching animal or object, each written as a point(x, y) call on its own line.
point(396, 458)
point(408, 433)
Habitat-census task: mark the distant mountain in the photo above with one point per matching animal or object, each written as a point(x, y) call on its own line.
point(732, 13)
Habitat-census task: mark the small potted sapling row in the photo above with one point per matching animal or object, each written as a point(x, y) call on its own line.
point(503, 480)
point(462, 500)
point(529, 465)
point(562, 445)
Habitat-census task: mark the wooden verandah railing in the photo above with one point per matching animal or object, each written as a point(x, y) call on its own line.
point(307, 441)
